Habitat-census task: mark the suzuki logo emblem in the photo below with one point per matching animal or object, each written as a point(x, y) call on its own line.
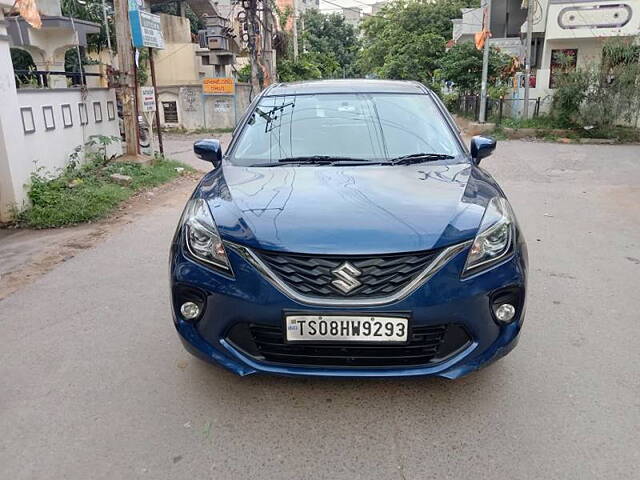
point(346, 277)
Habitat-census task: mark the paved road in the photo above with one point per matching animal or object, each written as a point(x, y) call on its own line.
point(95, 385)
point(180, 147)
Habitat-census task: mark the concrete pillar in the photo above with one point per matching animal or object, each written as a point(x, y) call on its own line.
point(56, 64)
point(14, 171)
point(55, 81)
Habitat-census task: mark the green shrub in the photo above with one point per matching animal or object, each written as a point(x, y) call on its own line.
point(244, 74)
point(569, 96)
point(81, 193)
point(601, 95)
point(54, 203)
point(146, 176)
point(450, 101)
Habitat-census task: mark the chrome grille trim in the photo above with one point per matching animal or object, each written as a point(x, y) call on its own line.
point(377, 276)
point(440, 261)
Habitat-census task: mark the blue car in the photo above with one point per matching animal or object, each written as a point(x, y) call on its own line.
point(347, 231)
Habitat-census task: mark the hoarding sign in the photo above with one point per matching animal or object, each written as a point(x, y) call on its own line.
point(145, 29)
point(218, 86)
point(148, 99)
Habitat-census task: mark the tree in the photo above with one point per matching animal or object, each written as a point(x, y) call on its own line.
point(92, 11)
point(331, 40)
point(407, 38)
point(416, 59)
point(290, 70)
point(462, 65)
point(330, 48)
point(22, 60)
point(24, 64)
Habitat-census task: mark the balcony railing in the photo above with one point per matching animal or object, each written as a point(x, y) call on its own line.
point(42, 78)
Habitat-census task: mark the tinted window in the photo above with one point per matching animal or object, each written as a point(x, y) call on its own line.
point(374, 127)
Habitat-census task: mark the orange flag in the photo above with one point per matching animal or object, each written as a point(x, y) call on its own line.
point(29, 11)
point(481, 37)
point(484, 35)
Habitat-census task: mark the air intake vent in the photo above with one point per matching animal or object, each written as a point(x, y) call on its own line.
point(428, 345)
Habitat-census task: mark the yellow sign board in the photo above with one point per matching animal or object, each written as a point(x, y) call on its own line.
point(218, 86)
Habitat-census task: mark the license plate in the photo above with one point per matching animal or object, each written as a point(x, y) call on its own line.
point(316, 328)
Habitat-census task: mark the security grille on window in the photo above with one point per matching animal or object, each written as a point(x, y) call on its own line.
point(170, 110)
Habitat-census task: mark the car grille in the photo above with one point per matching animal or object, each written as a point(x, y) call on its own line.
point(427, 345)
point(378, 276)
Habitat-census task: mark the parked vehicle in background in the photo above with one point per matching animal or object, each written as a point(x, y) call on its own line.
point(144, 134)
point(347, 231)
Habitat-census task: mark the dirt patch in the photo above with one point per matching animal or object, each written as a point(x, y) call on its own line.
point(26, 255)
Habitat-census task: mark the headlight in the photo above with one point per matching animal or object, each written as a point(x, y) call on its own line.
point(495, 237)
point(201, 235)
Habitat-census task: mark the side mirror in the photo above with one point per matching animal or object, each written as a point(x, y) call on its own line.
point(209, 150)
point(482, 147)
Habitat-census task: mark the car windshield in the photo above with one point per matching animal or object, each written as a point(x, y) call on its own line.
point(364, 127)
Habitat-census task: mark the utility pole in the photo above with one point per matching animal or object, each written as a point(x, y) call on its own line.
point(527, 65)
point(302, 33)
point(295, 30)
point(259, 42)
point(252, 43)
point(152, 64)
point(126, 80)
point(267, 40)
point(485, 64)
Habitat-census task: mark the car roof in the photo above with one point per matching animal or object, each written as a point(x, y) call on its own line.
point(345, 86)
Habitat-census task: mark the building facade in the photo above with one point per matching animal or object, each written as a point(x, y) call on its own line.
point(578, 30)
point(46, 113)
point(565, 34)
point(506, 19)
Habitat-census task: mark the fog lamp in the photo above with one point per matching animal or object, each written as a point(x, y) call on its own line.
point(190, 310)
point(505, 312)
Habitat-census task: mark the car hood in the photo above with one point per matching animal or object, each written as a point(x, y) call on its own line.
point(348, 210)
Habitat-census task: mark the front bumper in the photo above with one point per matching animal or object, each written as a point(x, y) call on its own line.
point(443, 299)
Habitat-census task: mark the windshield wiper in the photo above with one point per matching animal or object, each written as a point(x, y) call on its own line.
point(330, 161)
point(320, 159)
point(420, 157)
point(309, 160)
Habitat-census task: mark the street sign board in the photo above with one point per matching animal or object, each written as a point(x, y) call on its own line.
point(218, 86)
point(145, 29)
point(136, 4)
point(148, 99)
